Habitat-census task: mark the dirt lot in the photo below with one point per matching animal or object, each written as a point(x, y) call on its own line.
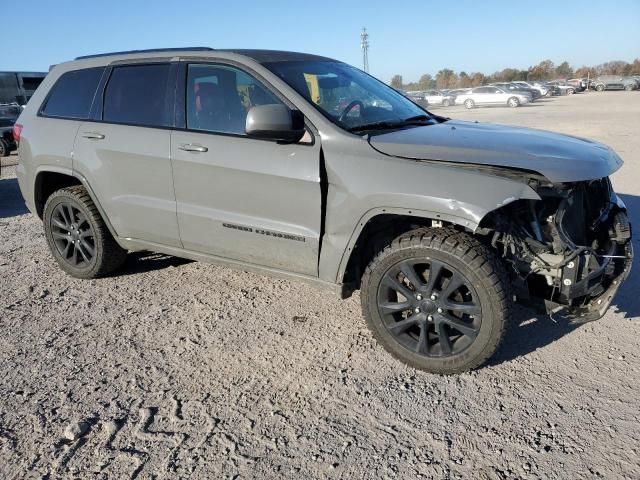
point(178, 369)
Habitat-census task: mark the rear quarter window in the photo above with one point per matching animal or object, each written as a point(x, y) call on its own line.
point(73, 93)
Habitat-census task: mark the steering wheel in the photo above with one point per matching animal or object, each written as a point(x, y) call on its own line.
point(350, 107)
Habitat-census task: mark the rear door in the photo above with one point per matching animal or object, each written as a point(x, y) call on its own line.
point(241, 198)
point(124, 152)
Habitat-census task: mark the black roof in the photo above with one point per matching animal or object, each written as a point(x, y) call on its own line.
point(261, 56)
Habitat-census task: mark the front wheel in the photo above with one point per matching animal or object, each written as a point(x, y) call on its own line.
point(513, 102)
point(599, 88)
point(437, 300)
point(469, 104)
point(77, 236)
point(628, 88)
point(571, 91)
point(446, 103)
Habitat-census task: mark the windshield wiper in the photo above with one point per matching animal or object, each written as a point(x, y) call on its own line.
point(383, 125)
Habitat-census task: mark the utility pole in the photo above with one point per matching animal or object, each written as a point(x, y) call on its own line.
point(364, 44)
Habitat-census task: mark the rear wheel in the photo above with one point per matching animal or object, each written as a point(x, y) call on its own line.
point(78, 237)
point(446, 103)
point(571, 91)
point(469, 103)
point(4, 148)
point(437, 300)
point(628, 88)
point(599, 88)
point(513, 102)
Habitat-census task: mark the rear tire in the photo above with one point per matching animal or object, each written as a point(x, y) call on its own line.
point(469, 103)
point(513, 102)
point(628, 88)
point(599, 88)
point(425, 320)
point(4, 148)
point(571, 91)
point(446, 103)
point(78, 238)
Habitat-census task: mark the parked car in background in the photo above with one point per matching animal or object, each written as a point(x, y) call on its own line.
point(436, 97)
point(490, 95)
point(514, 87)
point(543, 90)
point(7, 142)
point(614, 82)
point(562, 88)
point(18, 87)
point(417, 97)
point(580, 84)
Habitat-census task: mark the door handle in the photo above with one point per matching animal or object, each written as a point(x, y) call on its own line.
point(190, 147)
point(93, 135)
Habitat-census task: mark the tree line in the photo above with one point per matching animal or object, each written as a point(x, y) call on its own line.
point(545, 70)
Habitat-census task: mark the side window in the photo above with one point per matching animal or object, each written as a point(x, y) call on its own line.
point(72, 95)
point(137, 95)
point(219, 97)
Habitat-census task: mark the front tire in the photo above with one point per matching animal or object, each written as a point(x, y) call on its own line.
point(599, 88)
point(469, 103)
point(78, 238)
point(513, 102)
point(446, 103)
point(437, 300)
point(571, 91)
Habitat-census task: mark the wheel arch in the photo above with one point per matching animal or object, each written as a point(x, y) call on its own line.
point(49, 179)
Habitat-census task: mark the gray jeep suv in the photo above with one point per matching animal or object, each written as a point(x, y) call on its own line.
point(303, 166)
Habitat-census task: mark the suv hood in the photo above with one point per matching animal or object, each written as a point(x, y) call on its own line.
point(560, 158)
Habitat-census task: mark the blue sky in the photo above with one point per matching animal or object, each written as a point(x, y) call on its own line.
point(407, 37)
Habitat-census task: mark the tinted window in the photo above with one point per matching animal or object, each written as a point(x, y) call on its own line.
point(219, 97)
point(137, 95)
point(73, 93)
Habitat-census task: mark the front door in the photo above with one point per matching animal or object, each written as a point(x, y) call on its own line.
point(241, 198)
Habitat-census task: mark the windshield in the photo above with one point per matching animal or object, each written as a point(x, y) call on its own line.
point(347, 96)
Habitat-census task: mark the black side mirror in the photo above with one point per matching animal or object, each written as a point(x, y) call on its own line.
point(275, 122)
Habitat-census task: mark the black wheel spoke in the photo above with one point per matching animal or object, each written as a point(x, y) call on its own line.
point(435, 269)
point(464, 328)
point(403, 325)
point(85, 245)
point(60, 236)
point(469, 308)
point(408, 270)
point(455, 282)
point(443, 339)
point(85, 257)
point(394, 307)
point(421, 344)
point(393, 283)
point(60, 225)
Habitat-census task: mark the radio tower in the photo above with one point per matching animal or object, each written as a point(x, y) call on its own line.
point(364, 44)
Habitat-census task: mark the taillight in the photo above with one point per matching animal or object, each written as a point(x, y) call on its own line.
point(17, 131)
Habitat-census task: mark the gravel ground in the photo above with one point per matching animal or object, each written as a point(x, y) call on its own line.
point(182, 369)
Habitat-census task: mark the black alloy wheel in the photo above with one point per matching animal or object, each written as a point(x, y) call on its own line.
point(429, 307)
point(72, 235)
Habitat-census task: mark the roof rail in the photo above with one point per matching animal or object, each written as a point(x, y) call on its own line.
point(151, 50)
